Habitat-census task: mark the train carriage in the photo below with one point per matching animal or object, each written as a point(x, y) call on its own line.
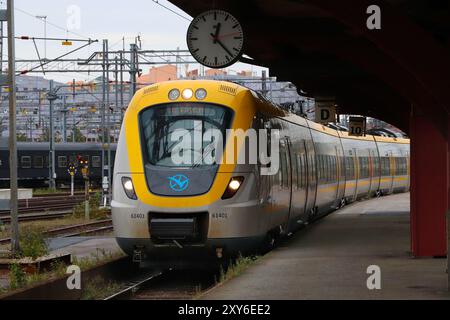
point(161, 208)
point(33, 162)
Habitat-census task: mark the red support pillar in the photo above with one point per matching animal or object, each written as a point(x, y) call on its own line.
point(429, 193)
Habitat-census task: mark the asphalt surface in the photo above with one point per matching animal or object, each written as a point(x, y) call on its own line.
point(330, 258)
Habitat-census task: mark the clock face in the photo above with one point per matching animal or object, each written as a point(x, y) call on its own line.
point(215, 39)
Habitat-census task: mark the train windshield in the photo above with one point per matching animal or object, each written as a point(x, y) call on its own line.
point(179, 134)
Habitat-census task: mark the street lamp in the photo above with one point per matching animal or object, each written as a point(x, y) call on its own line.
point(44, 18)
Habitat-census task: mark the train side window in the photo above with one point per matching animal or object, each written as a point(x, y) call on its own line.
point(334, 169)
point(361, 167)
point(319, 167)
point(62, 161)
point(351, 168)
point(323, 168)
point(96, 161)
point(383, 166)
point(327, 167)
point(284, 173)
point(38, 161)
point(25, 162)
point(376, 166)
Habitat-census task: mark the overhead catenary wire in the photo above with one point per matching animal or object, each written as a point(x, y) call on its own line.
point(57, 58)
point(171, 10)
point(52, 24)
point(48, 39)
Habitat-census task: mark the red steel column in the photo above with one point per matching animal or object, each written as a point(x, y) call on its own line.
point(429, 193)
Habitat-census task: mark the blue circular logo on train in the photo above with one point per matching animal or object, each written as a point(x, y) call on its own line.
point(178, 183)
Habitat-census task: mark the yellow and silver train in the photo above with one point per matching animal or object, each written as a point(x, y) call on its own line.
point(161, 208)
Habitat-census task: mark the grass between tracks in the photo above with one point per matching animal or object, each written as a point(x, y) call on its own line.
point(96, 213)
point(33, 244)
point(43, 225)
point(98, 288)
point(42, 191)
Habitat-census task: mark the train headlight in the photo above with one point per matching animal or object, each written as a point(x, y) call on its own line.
point(233, 186)
point(187, 94)
point(174, 94)
point(128, 187)
point(200, 94)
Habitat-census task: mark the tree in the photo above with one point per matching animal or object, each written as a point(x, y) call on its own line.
point(44, 137)
point(79, 137)
point(21, 137)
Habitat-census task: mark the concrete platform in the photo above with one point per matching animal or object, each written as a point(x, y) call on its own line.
point(329, 260)
point(81, 247)
point(5, 194)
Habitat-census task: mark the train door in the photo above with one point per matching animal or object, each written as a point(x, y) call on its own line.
point(338, 176)
point(356, 168)
point(371, 170)
point(391, 171)
point(282, 197)
point(299, 184)
point(292, 170)
point(311, 170)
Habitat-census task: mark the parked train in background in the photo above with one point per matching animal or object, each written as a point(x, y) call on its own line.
point(161, 208)
point(33, 162)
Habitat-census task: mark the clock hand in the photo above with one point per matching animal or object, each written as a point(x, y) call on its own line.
point(228, 35)
point(216, 35)
point(224, 48)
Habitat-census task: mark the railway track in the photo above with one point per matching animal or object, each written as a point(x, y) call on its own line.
point(168, 284)
point(38, 216)
point(75, 230)
point(48, 203)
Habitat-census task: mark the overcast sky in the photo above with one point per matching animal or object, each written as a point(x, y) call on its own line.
point(100, 19)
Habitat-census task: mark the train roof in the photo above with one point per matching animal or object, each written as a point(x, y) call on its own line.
point(67, 146)
point(262, 104)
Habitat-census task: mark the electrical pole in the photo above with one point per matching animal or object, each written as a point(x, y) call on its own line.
point(51, 96)
point(64, 126)
point(133, 68)
point(74, 127)
point(105, 126)
point(108, 125)
point(116, 93)
point(1, 47)
point(15, 247)
point(263, 83)
point(121, 88)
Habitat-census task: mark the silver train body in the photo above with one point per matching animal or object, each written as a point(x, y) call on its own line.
point(320, 169)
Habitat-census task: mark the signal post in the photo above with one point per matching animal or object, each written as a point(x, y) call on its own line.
point(72, 171)
point(84, 164)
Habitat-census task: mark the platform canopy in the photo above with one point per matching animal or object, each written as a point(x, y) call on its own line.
point(399, 73)
point(325, 48)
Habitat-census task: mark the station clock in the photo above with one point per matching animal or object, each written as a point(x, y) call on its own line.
point(215, 39)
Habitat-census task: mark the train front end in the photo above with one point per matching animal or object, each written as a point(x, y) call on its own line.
point(173, 194)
